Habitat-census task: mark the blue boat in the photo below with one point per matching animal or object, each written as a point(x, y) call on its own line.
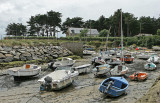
point(114, 86)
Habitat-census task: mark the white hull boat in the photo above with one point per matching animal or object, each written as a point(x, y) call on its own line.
point(143, 56)
point(64, 62)
point(57, 80)
point(119, 70)
point(88, 52)
point(86, 68)
point(98, 61)
point(154, 59)
point(150, 66)
point(101, 70)
point(27, 70)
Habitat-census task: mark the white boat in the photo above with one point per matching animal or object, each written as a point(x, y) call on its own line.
point(27, 70)
point(101, 70)
point(83, 68)
point(57, 80)
point(143, 56)
point(98, 61)
point(119, 70)
point(154, 59)
point(88, 52)
point(150, 66)
point(64, 62)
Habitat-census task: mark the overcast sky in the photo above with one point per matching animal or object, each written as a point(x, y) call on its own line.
point(19, 11)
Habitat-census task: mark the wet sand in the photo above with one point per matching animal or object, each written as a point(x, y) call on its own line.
point(83, 90)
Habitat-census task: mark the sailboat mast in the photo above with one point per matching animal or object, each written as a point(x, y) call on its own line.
point(121, 39)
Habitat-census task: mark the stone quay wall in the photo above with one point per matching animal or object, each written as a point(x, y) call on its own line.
point(25, 53)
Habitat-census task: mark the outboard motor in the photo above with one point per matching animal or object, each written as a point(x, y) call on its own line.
point(47, 85)
point(50, 66)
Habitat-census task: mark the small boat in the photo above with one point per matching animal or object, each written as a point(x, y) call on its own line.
point(88, 52)
point(143, 56)
point(64, 62)
point(140, 76)
point(114, 86)
point(98, 61)
point(154, 59)
point(83, 68)
point(150, 66)
point(119, 70)
point(59, 79)
point(114, 62)
point(128, 58)
point(101, 70)
point(28, 70)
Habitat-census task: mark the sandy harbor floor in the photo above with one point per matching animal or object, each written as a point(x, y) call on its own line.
point(83, 90)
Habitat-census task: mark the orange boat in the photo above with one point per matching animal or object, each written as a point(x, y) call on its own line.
point(127, 58)
point(140, 76)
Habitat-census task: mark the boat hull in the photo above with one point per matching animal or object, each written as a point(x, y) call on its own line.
point(116, 89)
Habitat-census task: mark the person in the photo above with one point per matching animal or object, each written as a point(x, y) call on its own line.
point(125, 58)
point(101, 51)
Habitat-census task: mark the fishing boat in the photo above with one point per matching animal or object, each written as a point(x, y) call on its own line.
point(154, 59)
point(128, 58)
point(139, 76)
point(101, 70)
point(64, 62)
point(114, 86)
point(98, 61)
point(150, 66)
point(119, 70)
point(86, 68)
point(59, 79)
point(26, 71)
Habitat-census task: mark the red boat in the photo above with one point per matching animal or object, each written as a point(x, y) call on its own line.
point(140, 76)
point(127, 58)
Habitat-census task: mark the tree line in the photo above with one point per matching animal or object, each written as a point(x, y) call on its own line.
point(51, 23)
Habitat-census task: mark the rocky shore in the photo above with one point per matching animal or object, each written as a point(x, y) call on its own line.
point(25, 53)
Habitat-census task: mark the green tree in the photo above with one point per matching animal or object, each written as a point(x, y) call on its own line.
point(104, 33)
point(158, 32)
point(74, 22)
point(83, 33)
point(16, 29)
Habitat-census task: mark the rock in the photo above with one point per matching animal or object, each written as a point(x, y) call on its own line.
point(2, 56)
point(7, 49)
point(16, 58)
point(13, 52)
point(4, 52)
point(1, 48)
point(16, 47)
point(8, 59)
point(8, 55)
point(35, 100)
point(26, 54)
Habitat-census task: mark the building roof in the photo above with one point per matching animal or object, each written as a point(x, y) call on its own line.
point(78, 30)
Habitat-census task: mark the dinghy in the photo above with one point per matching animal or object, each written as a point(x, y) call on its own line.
point(128, 58)
point(139, 76)
point(98, 61)
point(59, 79)
point(154, 59)
point(119, 70)
point(101, 70)
point(64, 62)
point(86, 68)
point(28, 70)
point(150, 66)
point(114, 86)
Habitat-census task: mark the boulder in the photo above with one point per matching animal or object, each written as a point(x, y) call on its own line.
point(2, 56)
point(156, 48)
point(13, 52)
point(7, 49)
point(26, 54)
point(3, 52)
point(1, 48)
